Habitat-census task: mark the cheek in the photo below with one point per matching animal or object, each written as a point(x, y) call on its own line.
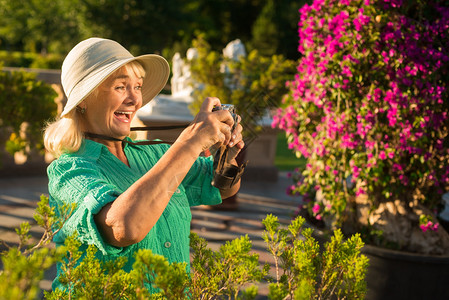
point(139, 100)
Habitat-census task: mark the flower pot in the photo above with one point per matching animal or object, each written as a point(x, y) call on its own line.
point(404, 275)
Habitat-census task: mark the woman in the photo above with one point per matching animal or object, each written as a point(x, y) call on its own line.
point(129, 196)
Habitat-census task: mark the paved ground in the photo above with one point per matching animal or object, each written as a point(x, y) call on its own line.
point(19, 196)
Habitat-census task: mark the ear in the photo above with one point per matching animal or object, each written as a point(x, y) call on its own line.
point(82, 105)
point(81, 108)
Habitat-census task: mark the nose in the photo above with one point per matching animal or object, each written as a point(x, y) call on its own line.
point(134, 96)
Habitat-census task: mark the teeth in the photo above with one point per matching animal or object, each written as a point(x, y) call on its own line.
point(124, 112)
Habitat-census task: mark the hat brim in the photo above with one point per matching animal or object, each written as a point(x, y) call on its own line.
point(157, 71)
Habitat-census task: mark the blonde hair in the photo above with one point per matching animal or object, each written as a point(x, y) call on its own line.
point(64, 135)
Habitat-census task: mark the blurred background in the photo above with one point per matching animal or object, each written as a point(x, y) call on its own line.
point(33, 30)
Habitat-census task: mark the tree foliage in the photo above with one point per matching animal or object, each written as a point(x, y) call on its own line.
point(39, 26)
point(148, 26)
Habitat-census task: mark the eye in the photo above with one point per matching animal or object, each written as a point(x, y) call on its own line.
point(138, 88)
point(120, 87)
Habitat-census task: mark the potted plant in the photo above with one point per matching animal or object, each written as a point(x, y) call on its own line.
point(369, 110)
point(25, 105)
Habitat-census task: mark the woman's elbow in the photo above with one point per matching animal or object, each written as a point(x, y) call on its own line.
point(122, 236)
point(118, 234)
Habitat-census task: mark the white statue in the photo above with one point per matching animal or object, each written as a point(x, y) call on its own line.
point(234, 50)
point(181, 82)
point(192, 53)
point(182, 85)
point(178, 64)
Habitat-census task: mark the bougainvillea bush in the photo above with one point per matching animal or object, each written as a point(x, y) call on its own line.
point(369, 110)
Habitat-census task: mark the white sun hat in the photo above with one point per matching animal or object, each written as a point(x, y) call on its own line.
point(91, 61)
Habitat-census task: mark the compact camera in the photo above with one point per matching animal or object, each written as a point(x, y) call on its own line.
point(231, 109)
point(226, 174)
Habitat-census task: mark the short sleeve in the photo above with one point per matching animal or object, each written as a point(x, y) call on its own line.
point(197, 183)
point(75, 180)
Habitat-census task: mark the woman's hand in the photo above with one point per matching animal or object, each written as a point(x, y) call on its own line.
point(236, 143)
point(211, 128)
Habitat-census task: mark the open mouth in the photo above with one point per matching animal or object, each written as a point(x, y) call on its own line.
point(124, 116)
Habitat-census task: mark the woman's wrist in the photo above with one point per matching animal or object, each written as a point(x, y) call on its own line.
point(189, 148)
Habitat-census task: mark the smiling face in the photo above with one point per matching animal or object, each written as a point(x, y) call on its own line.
point(112, 106)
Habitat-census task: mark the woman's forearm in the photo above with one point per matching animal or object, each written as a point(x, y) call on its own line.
point(131, 216)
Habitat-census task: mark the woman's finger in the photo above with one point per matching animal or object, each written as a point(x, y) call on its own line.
point(226, 130)
point(224, 116)
point(209, 103)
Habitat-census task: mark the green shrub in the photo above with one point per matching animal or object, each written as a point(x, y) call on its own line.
point(31, 60)
point(302, 269)
point(24, 99)
point(25, 264)
point(224, 273)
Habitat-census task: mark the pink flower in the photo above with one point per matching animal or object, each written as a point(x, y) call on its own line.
point(360, 191)
point(429, 226)
point(316, 208)
point(435, 226)
point(382, 155)
point(423, 227)
point(355, 172)
point(346, 71)
point(290, 190)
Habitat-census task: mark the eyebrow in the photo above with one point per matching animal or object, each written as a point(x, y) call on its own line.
point(121, 77)
point(124, 77)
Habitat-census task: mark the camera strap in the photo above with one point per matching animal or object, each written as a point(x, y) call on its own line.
point(146, 128)
point(226, 174)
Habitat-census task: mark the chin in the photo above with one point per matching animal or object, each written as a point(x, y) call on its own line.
point(122, 134)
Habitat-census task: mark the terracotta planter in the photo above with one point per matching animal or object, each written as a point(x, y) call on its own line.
point(403, 275)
